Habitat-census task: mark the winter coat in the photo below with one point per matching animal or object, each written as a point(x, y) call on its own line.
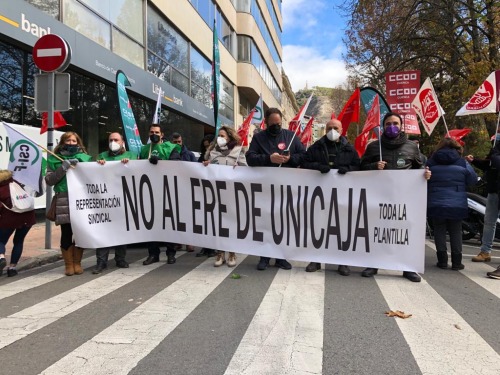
point(8, 218)
point(399, 153)
point(108, 156)
point(447, 187)
point(187, 155)
point(264, 144)
point(317, 155)
point(227, 157)
point(56, 176)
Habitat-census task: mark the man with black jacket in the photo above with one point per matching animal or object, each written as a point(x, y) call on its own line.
point(274, 147)
point(331, 152)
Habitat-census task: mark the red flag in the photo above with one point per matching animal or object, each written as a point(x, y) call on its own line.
point(332, 117)
point(245, 128)
point(263, 125)
point(306, 136)
point(295, 124)
point(350, 112)
point(59, 121)
point(458, 134)
point(372, 121)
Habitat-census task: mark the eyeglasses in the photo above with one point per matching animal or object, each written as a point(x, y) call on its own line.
point(395, 123)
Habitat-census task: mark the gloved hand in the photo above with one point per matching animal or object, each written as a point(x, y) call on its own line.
point(324, 168)
point(153, 159)
point(65, 165)
point(343, 170)
point(73, 161)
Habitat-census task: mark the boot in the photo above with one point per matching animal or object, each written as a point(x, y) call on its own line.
point(220, 259)
point(77, 259)
point(442, 259)
point(456, 262)
point(231, 260)
point(68, 261)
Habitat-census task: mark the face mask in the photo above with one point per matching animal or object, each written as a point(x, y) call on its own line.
point(154, 138)
point(114, 146)
point(70, 149)
point(333, 135)
point(221, 141)
point(274, 129)
point(391, 131)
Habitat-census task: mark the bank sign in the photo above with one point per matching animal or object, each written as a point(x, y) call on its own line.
point(25, 23)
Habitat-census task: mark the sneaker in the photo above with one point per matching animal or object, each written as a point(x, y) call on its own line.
point(313, 267)
point(231, 260)
point(263, 264)
point(483, 256)
point(283, 264)
point(494, 274)
point(220, 259)
point(3, 263)
point(11, 272)
point(99, 268)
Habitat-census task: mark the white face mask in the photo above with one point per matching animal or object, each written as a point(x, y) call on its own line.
point(114, 146)
point(333, 135)
point(221, 141)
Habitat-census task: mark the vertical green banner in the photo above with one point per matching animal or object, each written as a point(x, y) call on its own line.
point(129, 125)
point(216, 80)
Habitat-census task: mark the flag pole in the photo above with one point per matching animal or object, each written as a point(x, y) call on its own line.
point(380, 142)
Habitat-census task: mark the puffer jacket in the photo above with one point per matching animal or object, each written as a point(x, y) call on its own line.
point(447, 187)
point(8, 218)
point(227, 157)
point(317, 155)
point(399, 153)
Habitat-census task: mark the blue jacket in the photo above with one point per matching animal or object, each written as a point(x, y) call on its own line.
point(447, 187)
point(187, 155)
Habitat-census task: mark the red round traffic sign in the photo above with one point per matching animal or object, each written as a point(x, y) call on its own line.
point(51, 53)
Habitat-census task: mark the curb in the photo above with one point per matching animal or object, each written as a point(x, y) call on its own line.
point(51, 257)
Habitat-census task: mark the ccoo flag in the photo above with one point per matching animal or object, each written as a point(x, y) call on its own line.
point(25, 159)
point(427, 106)
point(486, 99)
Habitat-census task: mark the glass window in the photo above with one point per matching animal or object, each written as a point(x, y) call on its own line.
point(159, 67)
point(201, 70)
point(127, 15)
point(180, 81)
point(51, 7)
point(167, 43)
point(244, 48)
point(87, 23)
point(243, 5)
point(128, 49)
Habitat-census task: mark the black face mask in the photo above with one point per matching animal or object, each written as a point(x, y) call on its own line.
point(70, 149)
point(274, 129)
point(154, 138)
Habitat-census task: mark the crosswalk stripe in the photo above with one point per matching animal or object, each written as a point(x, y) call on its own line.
point(441, 341)
point(119, 348)
point(477, 273)
point(286, 334)
point(31, 319)
point(27, 283)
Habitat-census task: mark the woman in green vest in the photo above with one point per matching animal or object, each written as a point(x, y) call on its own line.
point(70, 151)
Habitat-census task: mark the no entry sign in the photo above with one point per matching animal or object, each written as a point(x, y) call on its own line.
point(51, 53)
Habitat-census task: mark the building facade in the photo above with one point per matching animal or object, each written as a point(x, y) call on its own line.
point(158, 44)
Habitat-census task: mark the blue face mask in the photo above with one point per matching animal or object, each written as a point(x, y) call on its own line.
point(391, 131)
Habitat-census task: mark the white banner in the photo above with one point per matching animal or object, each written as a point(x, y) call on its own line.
point(368, 218)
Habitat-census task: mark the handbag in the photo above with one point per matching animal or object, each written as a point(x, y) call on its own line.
point(50, 214)
point(21, 200)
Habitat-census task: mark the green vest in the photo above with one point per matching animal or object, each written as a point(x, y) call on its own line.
point(54, 163)
point(162, 150)
point(109, 157)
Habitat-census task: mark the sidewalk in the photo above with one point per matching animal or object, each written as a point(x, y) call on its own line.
point(34, 252)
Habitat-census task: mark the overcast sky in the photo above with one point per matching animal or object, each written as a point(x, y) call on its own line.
point(312, 43)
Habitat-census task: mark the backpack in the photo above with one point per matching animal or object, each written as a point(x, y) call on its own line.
point(21, 200)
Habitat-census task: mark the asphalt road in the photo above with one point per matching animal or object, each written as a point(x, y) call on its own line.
point(192, 318)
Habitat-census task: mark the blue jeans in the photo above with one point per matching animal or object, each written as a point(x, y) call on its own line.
point(490, 222)
point(17, 250)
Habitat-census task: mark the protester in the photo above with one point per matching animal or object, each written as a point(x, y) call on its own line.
point(205, 144)
point(495, 163)
point(226, 151)
point(12, 222)
point(154, 151)
point(275, 147)
point(447, 199)
point(70, 151)
point(331, 152)
point(398, 153)
point(492, 209)
point(116, 151)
